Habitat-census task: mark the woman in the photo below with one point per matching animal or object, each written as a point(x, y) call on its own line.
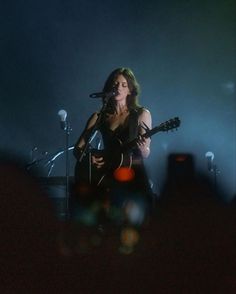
point(122, 120)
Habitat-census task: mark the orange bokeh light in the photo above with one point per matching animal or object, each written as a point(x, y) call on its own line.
point(124, 174)
point(129, 237)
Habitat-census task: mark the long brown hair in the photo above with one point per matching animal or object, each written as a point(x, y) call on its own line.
point(132, 99)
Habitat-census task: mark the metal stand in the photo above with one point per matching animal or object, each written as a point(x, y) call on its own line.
point(215, 172)
point(213, 169)
point(94, 129)
point(67, 133)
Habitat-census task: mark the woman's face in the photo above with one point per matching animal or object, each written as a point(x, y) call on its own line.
point(122, 87)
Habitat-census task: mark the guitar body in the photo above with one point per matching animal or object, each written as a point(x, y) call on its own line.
point(118, 155)
point(86, 172)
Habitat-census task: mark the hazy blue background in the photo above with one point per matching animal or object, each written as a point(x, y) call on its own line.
point(54, 54)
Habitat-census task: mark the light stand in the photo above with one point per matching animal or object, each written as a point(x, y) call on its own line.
point(215, 172)
point(212, 168)
point(65, 126)
point(67, 132)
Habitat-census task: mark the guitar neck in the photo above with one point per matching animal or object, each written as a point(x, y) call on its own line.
point(130, 145)
point(164, 127)
point(151, 132)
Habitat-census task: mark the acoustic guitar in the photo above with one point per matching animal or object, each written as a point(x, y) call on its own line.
point(119, 155)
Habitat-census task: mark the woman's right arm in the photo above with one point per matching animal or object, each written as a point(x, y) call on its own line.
point(85, 135)
point(97, 161)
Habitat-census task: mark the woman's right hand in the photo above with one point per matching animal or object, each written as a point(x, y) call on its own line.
point(98, 162)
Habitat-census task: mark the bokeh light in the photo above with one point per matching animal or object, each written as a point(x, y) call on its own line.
point(124, 174)
point(134, 212)
point(129, 237)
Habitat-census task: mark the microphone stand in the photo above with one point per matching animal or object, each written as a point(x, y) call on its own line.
point(86, 148)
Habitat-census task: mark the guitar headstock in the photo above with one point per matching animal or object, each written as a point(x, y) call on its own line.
point(170, 124)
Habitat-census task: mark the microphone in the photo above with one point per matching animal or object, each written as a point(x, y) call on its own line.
point(110, 94)
point(63, 115)
point(209, 156)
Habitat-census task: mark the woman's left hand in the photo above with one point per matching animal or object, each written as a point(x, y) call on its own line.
point(143, 146)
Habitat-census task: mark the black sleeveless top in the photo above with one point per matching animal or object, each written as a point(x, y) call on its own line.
point(126, 132)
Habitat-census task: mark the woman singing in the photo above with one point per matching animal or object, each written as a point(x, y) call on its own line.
point(123, 181)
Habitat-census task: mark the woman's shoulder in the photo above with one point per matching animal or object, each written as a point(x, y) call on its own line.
point(143, 111)
point(92, 119)
point(93, 116)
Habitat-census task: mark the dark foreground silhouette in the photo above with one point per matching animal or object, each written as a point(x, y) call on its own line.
point(186, 246)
